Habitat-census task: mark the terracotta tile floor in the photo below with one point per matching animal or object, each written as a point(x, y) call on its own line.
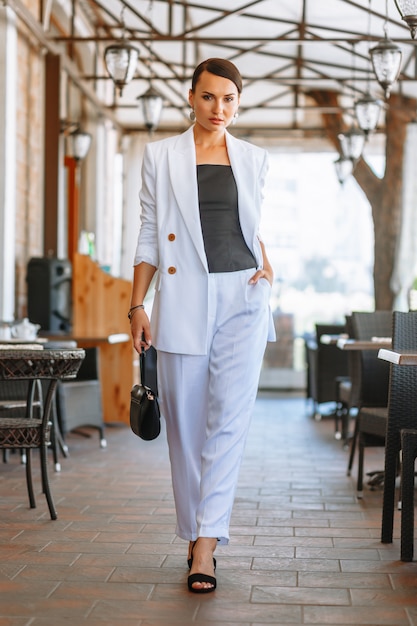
point(303, 549)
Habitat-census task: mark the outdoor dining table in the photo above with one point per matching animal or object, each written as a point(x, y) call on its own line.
point(398, 358)
point(376, 343)
point(34, 363)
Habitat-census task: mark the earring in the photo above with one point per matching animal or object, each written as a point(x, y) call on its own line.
point(192, 115)
point(234, 120)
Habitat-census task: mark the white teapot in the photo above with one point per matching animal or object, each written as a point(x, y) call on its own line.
point(25, 330)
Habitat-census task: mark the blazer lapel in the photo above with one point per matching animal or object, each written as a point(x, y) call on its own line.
point(183, 177)
point(241, 160)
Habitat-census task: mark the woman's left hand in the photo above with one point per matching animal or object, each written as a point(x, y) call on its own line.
point(263, 273)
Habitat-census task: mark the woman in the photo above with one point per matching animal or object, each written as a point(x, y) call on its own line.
point(201, 197)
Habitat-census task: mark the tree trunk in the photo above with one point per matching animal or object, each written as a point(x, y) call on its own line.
point(384, 194)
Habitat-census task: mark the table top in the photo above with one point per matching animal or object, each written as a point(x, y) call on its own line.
point(330, 340)
point(28, 363)
point(376, 343)
point(398, 358)
point(86, 341)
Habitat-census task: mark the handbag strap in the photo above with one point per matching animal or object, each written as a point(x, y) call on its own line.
point(142, 357)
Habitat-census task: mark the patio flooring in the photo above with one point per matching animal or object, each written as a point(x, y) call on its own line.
point(303, 549)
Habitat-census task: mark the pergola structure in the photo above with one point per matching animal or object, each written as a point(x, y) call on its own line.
point(285, 50)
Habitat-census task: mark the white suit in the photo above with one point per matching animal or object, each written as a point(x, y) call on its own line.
point(210, 330)
point(171, 238)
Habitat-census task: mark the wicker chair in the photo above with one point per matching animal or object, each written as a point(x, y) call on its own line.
point(370, 378)
point(409, 455)
point(346, 399)
point(14, 403)
point(402, 416)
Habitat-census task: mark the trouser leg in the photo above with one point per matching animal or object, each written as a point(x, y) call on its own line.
point(207, 402)
point(183, 390)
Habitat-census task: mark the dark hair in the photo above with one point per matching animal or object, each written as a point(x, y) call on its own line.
point(219, 67)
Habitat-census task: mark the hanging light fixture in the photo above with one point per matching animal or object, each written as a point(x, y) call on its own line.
point(386, 59)
point(344, 168)
point(151, 101)
point(121, 59)
point(367, 108)
point(408, 12)
point(367, 111)
point(352, 143)
point(80, 142)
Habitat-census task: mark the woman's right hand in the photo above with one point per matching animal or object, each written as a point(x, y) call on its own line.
point(141, 331)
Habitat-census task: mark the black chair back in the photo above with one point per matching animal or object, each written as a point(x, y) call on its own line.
point(373, 373)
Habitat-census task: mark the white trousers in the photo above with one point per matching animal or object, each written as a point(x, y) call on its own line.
point(207, 402)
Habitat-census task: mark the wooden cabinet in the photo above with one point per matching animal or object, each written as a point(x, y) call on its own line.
point(100, 303)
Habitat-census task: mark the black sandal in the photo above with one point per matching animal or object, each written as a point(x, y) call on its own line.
point(201, 578)
point(190, 560)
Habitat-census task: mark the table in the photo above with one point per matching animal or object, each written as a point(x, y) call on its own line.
point(330, 340)
point(118, 360)
point(398, 358)
point(375, 343)
point(25, 433)
point(363, 390)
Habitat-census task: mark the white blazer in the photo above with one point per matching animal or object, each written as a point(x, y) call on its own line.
point(171, 238)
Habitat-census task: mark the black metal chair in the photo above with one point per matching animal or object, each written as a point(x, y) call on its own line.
point(370, 378)
point(14, 403)
point(346, 391)
point(325, 364)
point(402, 417)
point(409, 455)
point(32, 429)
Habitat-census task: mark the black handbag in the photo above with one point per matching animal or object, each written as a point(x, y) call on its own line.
point(145, 416)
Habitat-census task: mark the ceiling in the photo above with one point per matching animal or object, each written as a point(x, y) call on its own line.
point(283, 48)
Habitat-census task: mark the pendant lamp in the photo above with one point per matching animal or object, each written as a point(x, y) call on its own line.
point(367, 108)
point(151, 102)
point(80, 142)
point(386, 59)
point(408, 12)
point(367, 111)
point(121, 60)
point(344, 168)
point(352, 143)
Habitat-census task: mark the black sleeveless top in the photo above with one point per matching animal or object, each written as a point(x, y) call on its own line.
point(225, 247)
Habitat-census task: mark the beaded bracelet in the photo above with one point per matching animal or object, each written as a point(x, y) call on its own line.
point(133, 309)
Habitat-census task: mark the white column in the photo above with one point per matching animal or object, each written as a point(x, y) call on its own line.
point(8, 74)
point(405, 267)
point(133, 149)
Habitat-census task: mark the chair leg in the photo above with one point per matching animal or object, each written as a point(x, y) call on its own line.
point(359, 485)
point(390, 473)
point(353, 446)
point(338, 419)
point(409, 448)
point(44, 449)
point(29, 481)
point(45, 481)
